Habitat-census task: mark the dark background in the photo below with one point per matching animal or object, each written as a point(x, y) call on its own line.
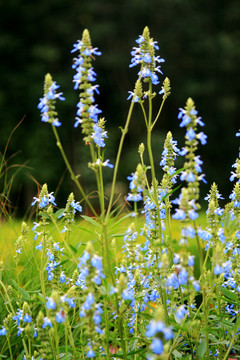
point(200, 41)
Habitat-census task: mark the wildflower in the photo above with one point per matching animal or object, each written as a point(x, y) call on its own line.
point(169, 155)
point(51, 304)
point(90, 352)
point(87, 113)
point(27, 318)
point(44, 200)
point(3, 331)
point(47, 103)
point(157, 346)
point(144, 55)
point(18, 317)
point(137, 184)
point(99, 133)
point(100, 162)
point(218, 270)
point(181, 312)
point(62, 277)
point(165, 91)
point(46, 322)
point(60, 318)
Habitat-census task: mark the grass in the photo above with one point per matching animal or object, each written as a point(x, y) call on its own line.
point(82, 232)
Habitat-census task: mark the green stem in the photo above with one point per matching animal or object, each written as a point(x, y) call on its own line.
point(150, 154)
point(144, 114)
point(233, 339)
point(43, 261)
point(124, 132)
point(101, 189)
point(73, 176)
point(9, 346)
point(205, 302)
point(123, 345)
point(158, 114)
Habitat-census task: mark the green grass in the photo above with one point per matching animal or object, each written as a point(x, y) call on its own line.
point(82, 232)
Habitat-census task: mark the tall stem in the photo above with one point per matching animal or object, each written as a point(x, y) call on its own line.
point(150, 154)
point(124, 132)
point(73, 176)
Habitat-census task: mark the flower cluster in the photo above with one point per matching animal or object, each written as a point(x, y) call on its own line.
point(47, 103)
point(68, 214)
point(45, 199)
point(144, 55)
point(137, 184)
point(87, 113)
point(159, 333)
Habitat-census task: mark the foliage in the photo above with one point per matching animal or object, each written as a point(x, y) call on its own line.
point(147, 301)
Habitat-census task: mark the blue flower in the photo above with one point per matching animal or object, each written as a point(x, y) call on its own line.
point(96, 262)
point(3, 331)
point(18, 317)
point(181, 312)
point(88, 302)
point(191, 260)
point(62, 277)
point(70, 301)
point(46, 322)
point(157, 346)
point(218, 270)
point(190, 134)
point(145, 55)
point(179, 214)
point(128, 294)
point(60, 316)
point(27, 318)
point(46, 104)
point(106, 163)
point(50, 304)
point(190, 177)
point(202, 137)
point(90, 353)
point(134, 96)
point(98, 135)
point(155, 327)
point(45, 200)
point(196, 285)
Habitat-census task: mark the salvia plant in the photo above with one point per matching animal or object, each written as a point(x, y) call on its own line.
point(153, 299)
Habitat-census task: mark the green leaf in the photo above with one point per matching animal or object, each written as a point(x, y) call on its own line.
point(89, 219)
point(85, 229)
point(23, 292)
point(202, 349)
point(230, 295)
point(20, 356)
point(177, 354)
point(73, 248)
point(120, 220)
point(58, 213)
